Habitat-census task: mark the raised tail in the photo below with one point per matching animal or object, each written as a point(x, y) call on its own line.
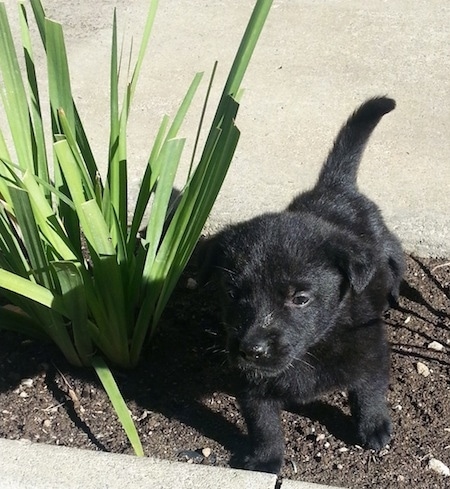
point(341, 166)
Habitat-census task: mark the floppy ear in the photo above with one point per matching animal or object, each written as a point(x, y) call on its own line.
point(208, 257)
point(355, 259)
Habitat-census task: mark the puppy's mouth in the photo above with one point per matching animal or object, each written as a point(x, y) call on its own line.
point(254, 371)
point(260, 362)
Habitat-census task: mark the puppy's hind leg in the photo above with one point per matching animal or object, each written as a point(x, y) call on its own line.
point(396, 262)
point(369, 408)
point(266, 435)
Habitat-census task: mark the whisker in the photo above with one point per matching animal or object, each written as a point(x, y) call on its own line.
point(311, 355)
point(304, 362)
point(211, 332)
point(231, 272)
point(216, 349)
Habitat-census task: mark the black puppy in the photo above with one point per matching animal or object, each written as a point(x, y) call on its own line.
point(304, 291)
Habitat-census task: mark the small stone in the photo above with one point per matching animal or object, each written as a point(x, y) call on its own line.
point(27, 382)
point(408, 319)
point(190, 456)
point(422, 369)
point(46, 423)
point(326, 444)
point(320, 437)
point(206, 452)
point(439, 467)
point(23, 395)
point(435, 345)
point(211, 460)
point(143, 416)
point(294, 466)
point(339, 466)
point(342, 449)
point(401, 478)
point(191, 284)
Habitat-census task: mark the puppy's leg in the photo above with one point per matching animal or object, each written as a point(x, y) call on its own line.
point(266, 435)
point(369, 408)
point(396, 263)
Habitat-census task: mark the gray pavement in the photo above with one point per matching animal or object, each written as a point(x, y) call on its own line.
point(316, 61)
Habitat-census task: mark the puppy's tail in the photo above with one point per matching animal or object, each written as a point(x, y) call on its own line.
point(341, 166)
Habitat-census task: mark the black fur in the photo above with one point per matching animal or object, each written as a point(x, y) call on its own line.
point(304, 291)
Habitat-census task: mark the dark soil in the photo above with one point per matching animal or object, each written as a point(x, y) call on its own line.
point(181, 401)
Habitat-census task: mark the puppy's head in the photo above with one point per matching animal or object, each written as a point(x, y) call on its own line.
point(284, 279)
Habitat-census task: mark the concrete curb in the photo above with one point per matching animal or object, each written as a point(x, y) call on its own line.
point(26, 465)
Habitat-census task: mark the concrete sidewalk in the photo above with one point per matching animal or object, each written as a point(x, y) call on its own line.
point(315, 62)
point(26, 465)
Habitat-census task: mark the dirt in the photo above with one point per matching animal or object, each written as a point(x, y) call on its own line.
point(182, 402)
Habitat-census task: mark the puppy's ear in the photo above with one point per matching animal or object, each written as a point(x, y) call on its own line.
point(355, 259)
point(208, 257)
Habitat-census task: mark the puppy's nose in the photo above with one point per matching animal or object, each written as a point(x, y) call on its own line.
point(254, 350)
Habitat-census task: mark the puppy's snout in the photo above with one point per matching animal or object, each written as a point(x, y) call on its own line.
point(254, 350)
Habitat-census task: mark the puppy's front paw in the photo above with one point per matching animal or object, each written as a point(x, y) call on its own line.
point(375, 434)
point(269, 464)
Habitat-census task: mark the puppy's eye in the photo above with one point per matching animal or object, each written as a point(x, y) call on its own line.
point(299, 299)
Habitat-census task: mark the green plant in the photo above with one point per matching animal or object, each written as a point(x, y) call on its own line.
point(69, 259)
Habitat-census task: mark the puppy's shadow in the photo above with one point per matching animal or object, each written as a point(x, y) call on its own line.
point(411, 293)
point(337, 423)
